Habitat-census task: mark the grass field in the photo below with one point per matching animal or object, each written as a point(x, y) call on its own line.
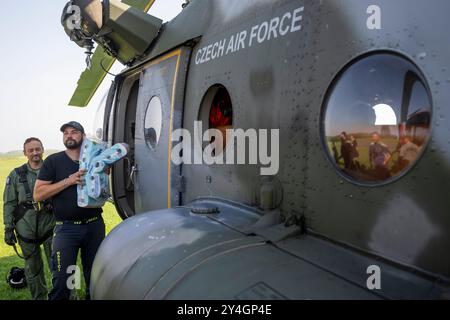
point(8, 257)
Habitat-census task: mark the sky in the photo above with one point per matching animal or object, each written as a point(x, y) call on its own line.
point(40, 68)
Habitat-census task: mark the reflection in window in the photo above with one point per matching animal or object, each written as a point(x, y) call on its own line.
point(153, 122)
point(377, 118)
point(98, 121)
point(384, 115)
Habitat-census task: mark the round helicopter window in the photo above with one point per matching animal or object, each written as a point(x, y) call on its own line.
point(216, 112)
point(376, 118)
point(153, 122)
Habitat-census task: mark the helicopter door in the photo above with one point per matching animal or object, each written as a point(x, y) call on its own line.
point(124, 117)
point(159, 112)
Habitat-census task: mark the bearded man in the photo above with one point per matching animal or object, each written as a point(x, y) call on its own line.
point(76, 228)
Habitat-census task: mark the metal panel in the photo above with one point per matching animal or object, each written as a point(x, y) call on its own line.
point(174, 254)
point(282, 83)
point(406, 220)
point(165, 79)
point(149, 245)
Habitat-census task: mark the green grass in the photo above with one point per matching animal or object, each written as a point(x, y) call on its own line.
point(8, 257)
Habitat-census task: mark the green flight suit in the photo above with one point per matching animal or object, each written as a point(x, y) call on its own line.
point(14, 194)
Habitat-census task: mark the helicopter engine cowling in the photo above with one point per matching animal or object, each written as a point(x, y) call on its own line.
point(168, 254)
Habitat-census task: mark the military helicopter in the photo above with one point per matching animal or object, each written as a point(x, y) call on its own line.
point(359, 206)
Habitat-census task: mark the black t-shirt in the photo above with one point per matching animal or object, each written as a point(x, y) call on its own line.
point(57, 167)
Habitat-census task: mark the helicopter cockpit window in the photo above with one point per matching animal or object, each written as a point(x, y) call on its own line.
point(376, 119)
point(217, 112)
point(98, 130)
point(153, 122)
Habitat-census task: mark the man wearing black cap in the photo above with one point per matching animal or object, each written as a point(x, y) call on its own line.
point(76, 228)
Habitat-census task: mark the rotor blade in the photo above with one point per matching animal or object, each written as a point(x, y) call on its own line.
point(91, 79)
point(143, 5)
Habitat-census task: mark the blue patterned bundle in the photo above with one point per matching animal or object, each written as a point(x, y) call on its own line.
point(94, 157)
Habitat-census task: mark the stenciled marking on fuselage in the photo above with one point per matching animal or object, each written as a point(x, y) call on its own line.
point(268, 30)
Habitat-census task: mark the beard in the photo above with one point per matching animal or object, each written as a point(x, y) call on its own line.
point(72, 144)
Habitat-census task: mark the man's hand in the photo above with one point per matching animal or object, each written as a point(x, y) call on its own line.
point(107, 170)
point(10, 237)
point(76, 178)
